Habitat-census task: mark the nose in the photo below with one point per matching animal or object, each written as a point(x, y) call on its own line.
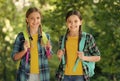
point(35, 20)
point(72, 23)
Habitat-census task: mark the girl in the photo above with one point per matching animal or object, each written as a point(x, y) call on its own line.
point(32, 52)
point(71, 52)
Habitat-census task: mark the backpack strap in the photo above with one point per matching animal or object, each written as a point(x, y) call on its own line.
point(89, 65)
point(26, 36)
point(44, 38)
point(81, 47)
point(81, 44)
point(62, 48)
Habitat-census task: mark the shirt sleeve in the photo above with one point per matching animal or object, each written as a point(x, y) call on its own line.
point(18, 44)
point(92, 47)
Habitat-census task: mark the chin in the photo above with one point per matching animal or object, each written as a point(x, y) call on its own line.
point(35, 26)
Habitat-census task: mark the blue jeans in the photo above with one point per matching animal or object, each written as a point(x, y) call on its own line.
point(73, 78)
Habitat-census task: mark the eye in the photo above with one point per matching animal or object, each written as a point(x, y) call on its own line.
point(75, 21)
point(38, 17)
point(31, 18)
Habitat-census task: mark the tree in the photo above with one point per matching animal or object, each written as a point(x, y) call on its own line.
point(100, 18)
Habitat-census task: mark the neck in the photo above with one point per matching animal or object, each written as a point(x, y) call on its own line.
point(73, 34)
point(33, 31)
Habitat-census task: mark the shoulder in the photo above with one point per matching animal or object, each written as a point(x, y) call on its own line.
point(20, 37)
point(20, 34)
point(88, 35)
point(47, 35)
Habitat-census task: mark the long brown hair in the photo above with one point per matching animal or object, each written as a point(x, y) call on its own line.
point(77, 13)
point(29, 11)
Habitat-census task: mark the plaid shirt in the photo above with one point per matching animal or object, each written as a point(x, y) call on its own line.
point(24, 68)
point(90, 49)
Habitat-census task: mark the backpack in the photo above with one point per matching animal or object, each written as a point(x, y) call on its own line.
point(90, 66)
point(45, 39)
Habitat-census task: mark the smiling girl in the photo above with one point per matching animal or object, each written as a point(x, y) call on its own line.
point(31, 53)
point(71, 49)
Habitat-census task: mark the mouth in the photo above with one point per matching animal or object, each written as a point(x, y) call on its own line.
point(35, 24)
point(73, 27)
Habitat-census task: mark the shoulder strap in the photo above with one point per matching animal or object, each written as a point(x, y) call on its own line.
point(81, 45)
point(62, 47)
point(82, 42)
point(26, 36)
point(18, 62)
point(44, 38)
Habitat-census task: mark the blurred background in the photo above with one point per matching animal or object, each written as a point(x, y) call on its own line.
point(101, 18)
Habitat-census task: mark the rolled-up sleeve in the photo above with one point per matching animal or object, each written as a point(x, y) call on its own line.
point(93, 48)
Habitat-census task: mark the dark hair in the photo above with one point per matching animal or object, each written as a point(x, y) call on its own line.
point(77, 13)
point(29, 11)
point(73, 12)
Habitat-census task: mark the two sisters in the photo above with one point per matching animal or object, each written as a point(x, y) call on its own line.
point(34, 45)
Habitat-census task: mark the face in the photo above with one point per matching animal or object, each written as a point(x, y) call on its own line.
point(73, 23)
point(34, 20)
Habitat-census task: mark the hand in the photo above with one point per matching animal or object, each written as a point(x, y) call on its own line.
point(81, 55)
point(48, 45)
point(26, 46)
point(48, 48)
point(60, 53)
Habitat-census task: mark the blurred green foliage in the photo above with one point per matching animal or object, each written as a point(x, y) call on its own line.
point(100, 18)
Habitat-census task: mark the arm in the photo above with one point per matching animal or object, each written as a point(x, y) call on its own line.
point(93, 53)
point(88, 58)
point(61, 49)
point(92, 58)
point(19, 49)
point(20, 54)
